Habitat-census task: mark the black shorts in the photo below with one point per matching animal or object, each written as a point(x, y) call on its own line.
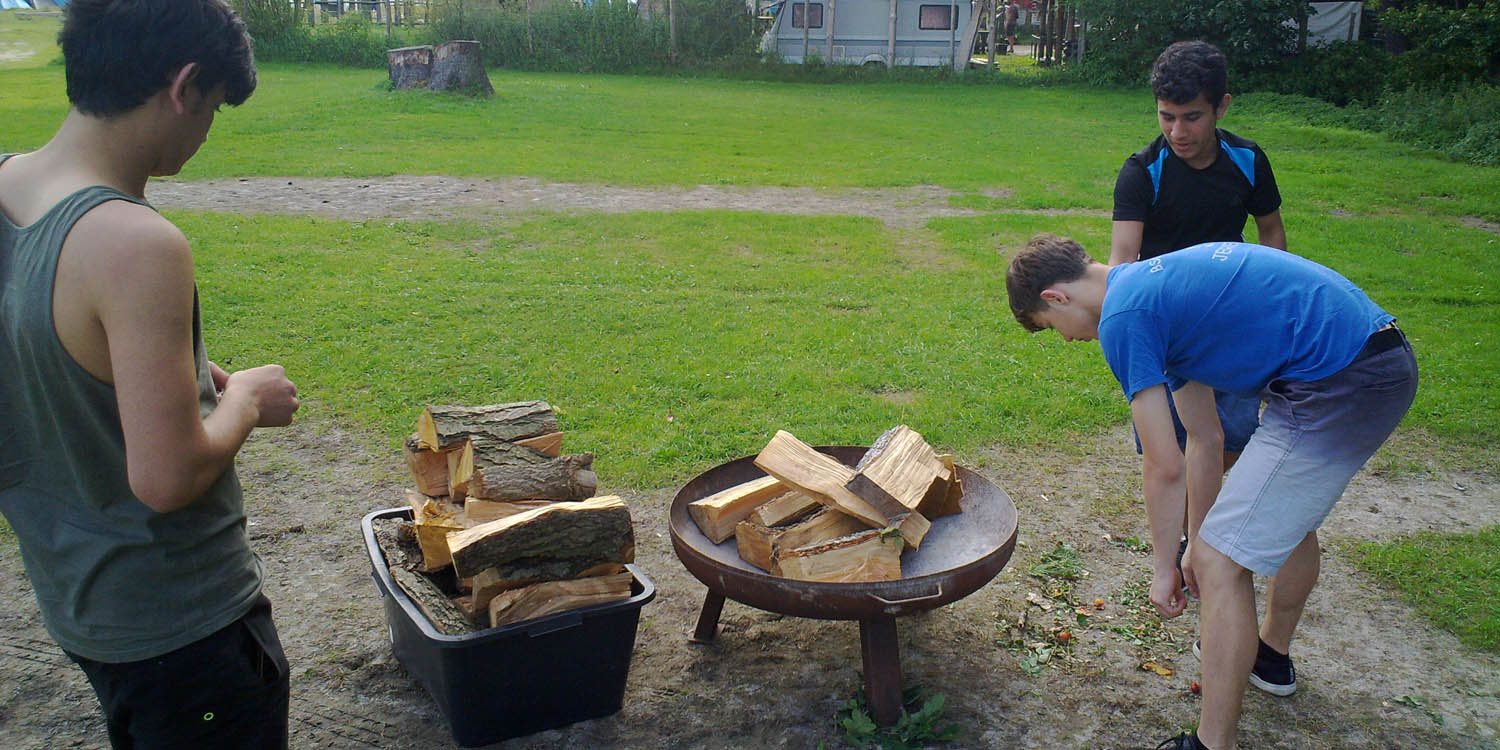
point(228, 690)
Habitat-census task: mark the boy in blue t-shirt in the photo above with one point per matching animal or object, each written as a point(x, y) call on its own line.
point(1336, 377)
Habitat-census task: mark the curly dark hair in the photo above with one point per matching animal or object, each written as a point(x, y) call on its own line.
point(1187, 69)
point(1046, 260)
point(118, 53)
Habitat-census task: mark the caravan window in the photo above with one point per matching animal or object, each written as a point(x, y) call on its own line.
point(817, 15)
point(935, 17)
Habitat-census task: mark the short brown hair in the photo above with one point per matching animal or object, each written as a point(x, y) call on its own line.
point(1046, 260)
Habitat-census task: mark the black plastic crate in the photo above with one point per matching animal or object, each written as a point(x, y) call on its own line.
point(516, 679)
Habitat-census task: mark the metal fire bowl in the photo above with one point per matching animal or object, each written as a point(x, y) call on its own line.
point(960, 554)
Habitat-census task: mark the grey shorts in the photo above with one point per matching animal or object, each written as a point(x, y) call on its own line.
point(1313, 437)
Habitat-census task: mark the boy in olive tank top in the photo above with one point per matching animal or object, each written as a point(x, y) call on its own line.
point(117, 435)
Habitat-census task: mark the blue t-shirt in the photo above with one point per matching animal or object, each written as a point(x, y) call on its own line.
point(1232, 316)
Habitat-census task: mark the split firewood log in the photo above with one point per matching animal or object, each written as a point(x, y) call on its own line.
point(717, 514)
point(869, 555)
point(785, 509)
point(551, 597)
point(444, 428)
point(902, 468)
point(493, 470)
point(758, 543)
point(428, 467)
point(822, 477)
point(434, 518)
point(555, 542)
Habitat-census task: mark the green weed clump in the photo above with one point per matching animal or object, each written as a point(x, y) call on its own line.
point(919, 725)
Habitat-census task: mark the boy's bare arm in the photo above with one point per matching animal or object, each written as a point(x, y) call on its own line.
point(1205, 449)
point(136, 271)
point(1125, 241)
point(1164, 481)
point(1269, 230)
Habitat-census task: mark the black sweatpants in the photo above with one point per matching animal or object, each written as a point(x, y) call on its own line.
point(228, 690)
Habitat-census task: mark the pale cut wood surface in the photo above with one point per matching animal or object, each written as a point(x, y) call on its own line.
point(785, 509)
point(428, 468)
point(859, 557)
point(717, 514)
point(822, 477)
point(542, 599)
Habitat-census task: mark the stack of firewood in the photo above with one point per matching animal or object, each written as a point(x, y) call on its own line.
point(812, 518)
point(504, 528)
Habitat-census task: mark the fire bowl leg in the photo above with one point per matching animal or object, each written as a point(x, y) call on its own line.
point(882, 657)
point(708, 619)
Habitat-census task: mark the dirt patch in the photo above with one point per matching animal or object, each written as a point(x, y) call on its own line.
point(438, 198)
point(1478, 223)
point(1374, 674)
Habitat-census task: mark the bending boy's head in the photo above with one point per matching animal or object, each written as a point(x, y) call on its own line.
point(118, 53)
point(1187, 69)
point(1045, 261)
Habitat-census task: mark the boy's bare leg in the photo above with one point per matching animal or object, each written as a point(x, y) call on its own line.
point(1287, 592)
point(1227, 619)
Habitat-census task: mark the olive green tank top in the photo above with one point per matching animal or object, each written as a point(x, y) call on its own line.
point(115, 580)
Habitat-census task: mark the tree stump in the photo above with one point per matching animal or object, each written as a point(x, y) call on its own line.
point(450, 66)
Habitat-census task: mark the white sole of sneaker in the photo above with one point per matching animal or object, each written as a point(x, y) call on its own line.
point(1272, 688)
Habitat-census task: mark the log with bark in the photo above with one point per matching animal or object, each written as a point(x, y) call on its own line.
point(493, 581)
point(717, 514)
point(491, 469)
point(541, 599)
point(439, 609)
point(555, 542)
point(445, 428)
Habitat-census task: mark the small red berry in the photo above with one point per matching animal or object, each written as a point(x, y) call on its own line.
point(1196, 688)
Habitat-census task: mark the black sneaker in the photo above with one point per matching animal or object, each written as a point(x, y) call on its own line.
point(1273, 671)
point(1184, 741)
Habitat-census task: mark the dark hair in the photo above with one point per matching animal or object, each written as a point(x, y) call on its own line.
point(1046, 260)
point(118, 53)
point(1187, 69)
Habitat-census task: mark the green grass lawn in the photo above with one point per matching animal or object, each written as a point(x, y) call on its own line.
point(671, 342)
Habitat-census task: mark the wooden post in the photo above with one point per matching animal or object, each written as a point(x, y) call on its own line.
point(806, 25)
point(672, 31)
point(828, 28)
point(890, 49)
point(388, 10)
point(994, 29)
point(953, 36)
point(530, 48)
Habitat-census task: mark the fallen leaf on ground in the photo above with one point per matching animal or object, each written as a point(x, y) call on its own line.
point(1152, 666)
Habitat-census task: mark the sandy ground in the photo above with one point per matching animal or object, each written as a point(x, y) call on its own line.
point(1372, 672)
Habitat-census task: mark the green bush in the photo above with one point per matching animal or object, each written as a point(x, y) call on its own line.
point(1447, 45)
point(1125, 36)
point(1339, 73)
point(1459, 122)
point(352, 41)
point(607, 36)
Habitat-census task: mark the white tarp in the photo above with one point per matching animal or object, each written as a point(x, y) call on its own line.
point(1333, 22)
point(14, 4)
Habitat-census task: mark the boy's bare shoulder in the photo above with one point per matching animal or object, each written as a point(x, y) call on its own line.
point(119, 231)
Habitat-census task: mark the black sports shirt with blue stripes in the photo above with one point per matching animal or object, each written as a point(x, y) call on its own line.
point(1182, 206)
